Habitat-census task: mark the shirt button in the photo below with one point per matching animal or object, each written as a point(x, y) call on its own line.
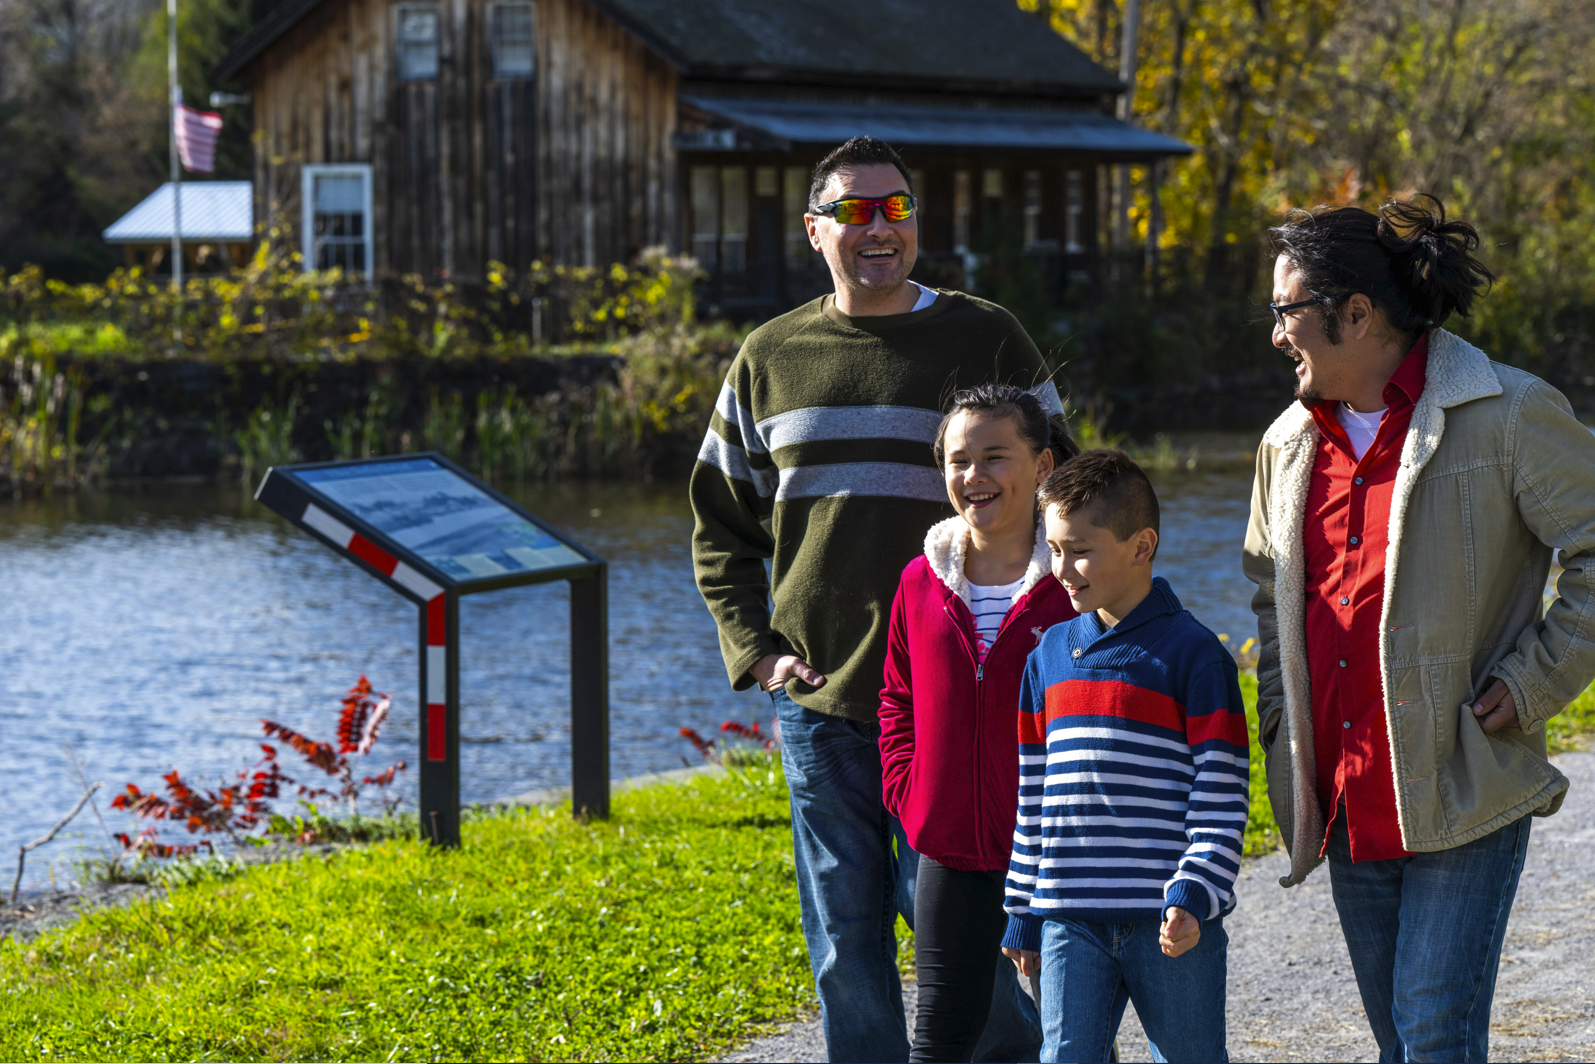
point(1357, 480)
point(1078, 652)
point(1342, 663)
point(1345, 601)
point(1345, 724)
point(1353, 541)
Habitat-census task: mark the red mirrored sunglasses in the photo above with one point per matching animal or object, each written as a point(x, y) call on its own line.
point(899, 208)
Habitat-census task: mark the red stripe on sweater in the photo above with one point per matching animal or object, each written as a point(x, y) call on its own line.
point(1032, 730)
point(1222, 724)
point(1114, 698)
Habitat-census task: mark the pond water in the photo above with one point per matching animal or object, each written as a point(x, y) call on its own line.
point(152, 628)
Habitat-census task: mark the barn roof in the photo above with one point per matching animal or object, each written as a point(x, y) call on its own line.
point(786, 122)
point(216, 211)
point(932, 43)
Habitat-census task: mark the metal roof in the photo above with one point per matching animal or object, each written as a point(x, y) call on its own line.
point(822, 122)
point(220, 211)
point(948, 44)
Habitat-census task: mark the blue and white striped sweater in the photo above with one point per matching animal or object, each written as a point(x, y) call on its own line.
point(1133, 788)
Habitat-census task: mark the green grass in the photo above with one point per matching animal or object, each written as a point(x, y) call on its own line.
point(1572, 728)
point(658, 935)
point(1262, 834)
point(661, 934)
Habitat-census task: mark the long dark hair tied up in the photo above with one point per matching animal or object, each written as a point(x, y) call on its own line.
point(1039, 431)
point(1416, 266)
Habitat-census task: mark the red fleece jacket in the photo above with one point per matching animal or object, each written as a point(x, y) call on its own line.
point(949, 727)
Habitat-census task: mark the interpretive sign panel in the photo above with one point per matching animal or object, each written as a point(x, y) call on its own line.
point(433, 532)
point(443, 518)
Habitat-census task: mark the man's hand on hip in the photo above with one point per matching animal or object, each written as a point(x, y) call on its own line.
point(772, 671)
point(1495, 709)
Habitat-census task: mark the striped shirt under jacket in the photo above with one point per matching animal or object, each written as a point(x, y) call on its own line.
point(1132, 772)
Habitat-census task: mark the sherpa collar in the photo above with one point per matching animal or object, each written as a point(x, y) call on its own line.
point(1458, 373)
point(945, 547)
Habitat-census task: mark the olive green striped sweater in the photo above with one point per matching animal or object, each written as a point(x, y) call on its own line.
point(818, 457)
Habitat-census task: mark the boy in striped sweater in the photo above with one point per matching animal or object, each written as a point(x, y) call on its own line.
point(1132, 787)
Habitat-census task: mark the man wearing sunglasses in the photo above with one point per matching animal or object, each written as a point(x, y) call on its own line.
point(818, 459)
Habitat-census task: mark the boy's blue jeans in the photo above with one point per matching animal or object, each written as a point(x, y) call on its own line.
point(855, 874)
point(1424, 933)
point(1090, 971)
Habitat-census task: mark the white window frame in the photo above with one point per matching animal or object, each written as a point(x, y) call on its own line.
point(307, 191)
point(493, 39)
point(399, 40)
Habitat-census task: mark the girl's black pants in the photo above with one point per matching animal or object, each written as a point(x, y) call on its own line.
point(958, 927)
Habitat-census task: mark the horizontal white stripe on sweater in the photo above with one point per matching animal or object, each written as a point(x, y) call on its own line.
point(1092, 901)
point(1056, 843)
point(732, 460)
point(849, 423)
point(1078, 733)
point(895, 479)
point(1077, 763)
point(1121, 801)
point(727, 407)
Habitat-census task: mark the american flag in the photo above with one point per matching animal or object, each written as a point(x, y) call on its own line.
point(196, 133)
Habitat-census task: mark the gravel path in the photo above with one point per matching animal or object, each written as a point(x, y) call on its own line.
point(1291, 992)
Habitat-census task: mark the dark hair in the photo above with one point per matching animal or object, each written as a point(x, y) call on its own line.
point(1415, 267)
point(1039, 431)
point(859, 151)
point(1112, 485)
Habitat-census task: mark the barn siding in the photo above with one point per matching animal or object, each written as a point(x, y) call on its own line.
point(575, 166)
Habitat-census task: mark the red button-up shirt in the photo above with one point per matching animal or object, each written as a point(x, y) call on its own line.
point(1346, 533)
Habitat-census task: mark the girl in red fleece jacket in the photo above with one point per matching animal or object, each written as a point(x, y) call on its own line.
point(968, 612)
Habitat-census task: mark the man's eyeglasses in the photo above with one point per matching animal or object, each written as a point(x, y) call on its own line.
point(899, 208)
point(1281, 309)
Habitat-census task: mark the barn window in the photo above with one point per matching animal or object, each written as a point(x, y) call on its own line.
point(337, 217)
point(734, 219)
point(991, 184)
point(705, 182)
point(961, 205)
point(1073, 211)
point(512, 41)
point(418, 42)
point(1032, 207)
point(795, 204)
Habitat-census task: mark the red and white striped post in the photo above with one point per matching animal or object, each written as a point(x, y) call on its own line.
point(440, 675)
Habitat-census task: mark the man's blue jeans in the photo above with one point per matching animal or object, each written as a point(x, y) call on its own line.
point(1425, 934)
point(1091, 970)
point(855, 874)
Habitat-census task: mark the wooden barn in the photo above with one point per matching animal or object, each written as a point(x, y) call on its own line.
point(435, 136)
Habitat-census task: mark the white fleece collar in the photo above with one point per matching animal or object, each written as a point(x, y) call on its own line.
point(947, 543)
point(1457, 373)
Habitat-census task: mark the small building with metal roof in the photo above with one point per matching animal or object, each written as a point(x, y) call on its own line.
point(413, 136)
point(218, 226)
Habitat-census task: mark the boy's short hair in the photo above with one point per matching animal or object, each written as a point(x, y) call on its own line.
point(1115, 489)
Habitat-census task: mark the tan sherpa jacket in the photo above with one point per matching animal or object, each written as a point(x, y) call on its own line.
point(1495, 472)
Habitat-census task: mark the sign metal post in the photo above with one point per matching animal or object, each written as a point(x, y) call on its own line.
point(434, 533)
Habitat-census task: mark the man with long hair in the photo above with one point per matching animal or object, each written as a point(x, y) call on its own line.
point(1403, 520)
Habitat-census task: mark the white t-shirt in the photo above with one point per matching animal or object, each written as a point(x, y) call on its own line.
point(927, 296)
point(1360, 428)
point(990, 604)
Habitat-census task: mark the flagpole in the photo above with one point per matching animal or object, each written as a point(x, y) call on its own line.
point(176, 99)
